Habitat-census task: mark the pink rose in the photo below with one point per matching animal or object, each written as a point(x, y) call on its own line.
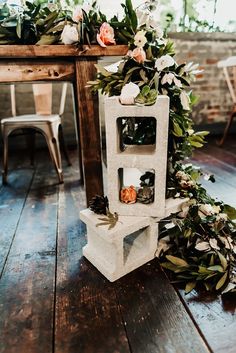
point(138, 54)
point(106, 35)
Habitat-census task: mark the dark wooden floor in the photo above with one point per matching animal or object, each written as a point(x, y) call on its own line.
point(54, 300)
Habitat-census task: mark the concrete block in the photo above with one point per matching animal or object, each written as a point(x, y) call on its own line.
point(127, 246)
point(116, 252)
point(149, 157)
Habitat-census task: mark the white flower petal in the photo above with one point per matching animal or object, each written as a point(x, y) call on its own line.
point(128, 93)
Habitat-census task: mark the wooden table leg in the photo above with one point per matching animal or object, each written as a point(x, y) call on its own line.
point(89, 127)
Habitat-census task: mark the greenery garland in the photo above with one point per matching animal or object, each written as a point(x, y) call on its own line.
point(199, 243)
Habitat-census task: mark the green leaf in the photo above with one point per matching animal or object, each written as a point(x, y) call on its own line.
point(177, 261)
point(47, 39)
point(145, 90)
point(18, 27)
point(102, 70)
point(190, 286)
point(222, 281)
point(223, 261)
point(217, 268)
point(177, 130)
point(230, 211)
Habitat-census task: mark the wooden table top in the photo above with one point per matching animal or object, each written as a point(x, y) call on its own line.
point(32, 51)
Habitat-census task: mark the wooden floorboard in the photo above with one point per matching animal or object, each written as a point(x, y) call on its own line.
point(88, 318)
point(53, 300)
point(155, 318)
point(13, 198)
point(27, 283)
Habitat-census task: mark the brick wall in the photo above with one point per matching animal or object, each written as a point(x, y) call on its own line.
point(207, 49)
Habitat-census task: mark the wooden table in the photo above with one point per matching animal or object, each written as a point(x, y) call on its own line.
point(25, 63)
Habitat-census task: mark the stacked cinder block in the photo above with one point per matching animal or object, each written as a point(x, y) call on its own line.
point(133, 240)
point(141, 157)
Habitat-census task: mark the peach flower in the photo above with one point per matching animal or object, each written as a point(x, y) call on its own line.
point(106, 35)
point(138, 54)
point(128, 195)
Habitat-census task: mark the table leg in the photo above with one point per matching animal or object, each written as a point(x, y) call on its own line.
point(89, 127)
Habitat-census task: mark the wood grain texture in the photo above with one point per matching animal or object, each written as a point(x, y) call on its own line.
point(27, 284)
point(28, 71)
point(215, 317)
point(11, 205)
point(88, 319)
point(89, 127)
point(34, 51)
point(155, 319)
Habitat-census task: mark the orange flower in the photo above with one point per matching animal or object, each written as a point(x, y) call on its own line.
point(106, 35)
point(138, 54)
point(128, 195)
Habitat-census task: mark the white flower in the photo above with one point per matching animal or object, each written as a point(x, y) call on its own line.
point(205, 210)
point(69, 35)
point(128, 93)
point(140, 40)
point(221, 217)
point(163, 62)
point(216, 209)
point(158, 30)
point(145, 18)
point(182, 175)
point(185, 100)
point(113, 67)
point(142, 16)
point(187, 184)
point(170, 78)
point(77, 14)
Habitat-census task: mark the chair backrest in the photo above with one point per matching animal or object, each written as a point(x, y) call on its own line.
point(229, 69)
point(42, 98)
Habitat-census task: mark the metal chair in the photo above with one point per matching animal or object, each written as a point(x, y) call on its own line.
point(43, 121)
point(231, 82)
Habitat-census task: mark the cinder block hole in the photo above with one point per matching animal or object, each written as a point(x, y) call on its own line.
point(136, 185)
point(136, 135)
point(136, 245)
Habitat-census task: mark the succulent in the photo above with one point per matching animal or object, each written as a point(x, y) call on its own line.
point(145, 195)
point(99, 204)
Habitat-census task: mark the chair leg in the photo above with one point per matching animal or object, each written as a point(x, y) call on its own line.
point(63, 146)
point(228, 126)
point(54, 149)
point(5, 158)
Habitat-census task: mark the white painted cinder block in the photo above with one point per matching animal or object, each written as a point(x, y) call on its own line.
point(141, 157)
point(129, 245)
point(116, 252)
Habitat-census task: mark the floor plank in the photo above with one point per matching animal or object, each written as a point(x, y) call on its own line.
point(53, 300)
point(216, 318)
point(27, 283)
point(12, 201)
point(156, 320)
point(88, 319)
